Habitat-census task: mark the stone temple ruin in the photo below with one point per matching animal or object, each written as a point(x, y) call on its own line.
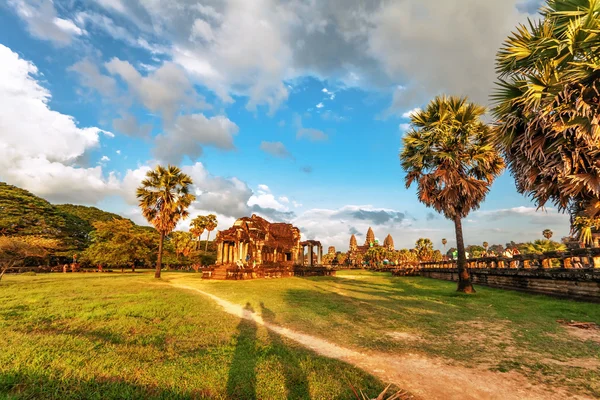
point(253, 242)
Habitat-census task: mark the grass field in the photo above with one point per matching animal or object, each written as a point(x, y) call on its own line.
point(128, 335)
point(493, 329)
point(89, 336)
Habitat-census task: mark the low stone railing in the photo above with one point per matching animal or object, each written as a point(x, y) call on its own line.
point(576, 258)
point(572, 274)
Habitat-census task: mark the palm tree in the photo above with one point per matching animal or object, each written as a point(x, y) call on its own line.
point(211, 224)
point(444, 242)
point(547, 233)
point(547, 110)
point(164, 198)
point(197, 227)
point(449, 155)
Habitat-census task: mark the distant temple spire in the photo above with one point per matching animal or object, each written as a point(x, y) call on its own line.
point(370, 237)
point(388, 243)
point(353, 243)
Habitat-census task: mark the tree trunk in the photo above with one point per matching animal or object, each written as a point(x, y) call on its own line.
point(3, 271)
point(464, 279)
point(160, 251)
point(207, 239)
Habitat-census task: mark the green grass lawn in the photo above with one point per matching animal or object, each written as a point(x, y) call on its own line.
point(103, 336)
point(493, 329)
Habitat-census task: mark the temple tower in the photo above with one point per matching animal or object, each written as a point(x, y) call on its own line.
point(331, 250)
point(353, 243)
point(388, 243)
point(370, 237)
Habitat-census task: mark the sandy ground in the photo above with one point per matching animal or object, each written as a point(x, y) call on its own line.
point(426, 378)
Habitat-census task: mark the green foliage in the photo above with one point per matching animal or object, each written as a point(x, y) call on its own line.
point(547, 109)
point(14, 250)
point(449, 155)
point(475, 251)
point(120, 243)
point(424, 249)
point(24, 214)
point(541, 246)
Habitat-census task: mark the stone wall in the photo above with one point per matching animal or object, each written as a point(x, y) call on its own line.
point(581, 284)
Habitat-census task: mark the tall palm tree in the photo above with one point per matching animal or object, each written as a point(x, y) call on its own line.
point(164, 198)
point(485, 246)
point(449, 155)
point(547, 107)
point(197, 227)
point(211, 224)
point(547, 233)
point(444, 242)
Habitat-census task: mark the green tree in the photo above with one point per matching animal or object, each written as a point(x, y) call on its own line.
point(424, 249)
point(197, 227)
point(211, 224)
point(541, 246)
point(475, 251)
point(449, 155)
point(183, 244)
point(121, 244)
point(547, 233)
point(547, 110)
point(14, 250)
point(164, 198)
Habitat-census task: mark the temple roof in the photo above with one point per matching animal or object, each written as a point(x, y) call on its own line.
point(370, 237)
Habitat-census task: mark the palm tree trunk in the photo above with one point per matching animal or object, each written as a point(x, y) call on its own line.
point(206, 245)
point(160, 251)
point(464, 279)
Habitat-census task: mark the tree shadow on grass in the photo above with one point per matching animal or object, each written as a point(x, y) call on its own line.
point(241, 383)
point(296, 381)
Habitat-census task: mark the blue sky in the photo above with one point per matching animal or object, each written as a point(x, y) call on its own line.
point(294, 110)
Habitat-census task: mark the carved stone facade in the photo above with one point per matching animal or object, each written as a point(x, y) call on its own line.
point(254, 241)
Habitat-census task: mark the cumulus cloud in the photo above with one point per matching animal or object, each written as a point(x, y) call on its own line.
point(311, 134)
point(165, 90)
point(42, 157)
point(276, 149)
point(91, 77)
point(43, 22)
point(250, 48)
point(534, 215)
point(129, 125)
point(189, 133)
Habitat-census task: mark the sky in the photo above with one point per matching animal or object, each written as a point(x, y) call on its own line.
point(291, 109)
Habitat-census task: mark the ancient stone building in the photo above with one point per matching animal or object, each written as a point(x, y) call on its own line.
point(356, 252)
point(253, 241)
point(331, 250)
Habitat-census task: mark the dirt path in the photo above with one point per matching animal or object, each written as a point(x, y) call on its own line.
point(424, 377)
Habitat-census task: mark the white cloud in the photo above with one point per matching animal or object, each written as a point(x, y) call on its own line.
point(311, 134)
point(276, 149)
point(410, 113)
point(42, 157)
point(105, 158)
point(42, 21)
point(165, 90)
point(189, 133)
point(404, 127)
point(264, 188)
point(320, 105)
point(91, 77)
point(129, 125)
point(118, 152)
point(284, 199)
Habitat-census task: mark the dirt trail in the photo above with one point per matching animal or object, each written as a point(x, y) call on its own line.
point(425, 378)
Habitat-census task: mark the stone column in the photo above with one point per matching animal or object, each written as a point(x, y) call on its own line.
point(220, 253)
point(275, 255)
point(230, 256)
point(311, 253)
point(319, 254)
point(301, 256)
point(240, 251)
